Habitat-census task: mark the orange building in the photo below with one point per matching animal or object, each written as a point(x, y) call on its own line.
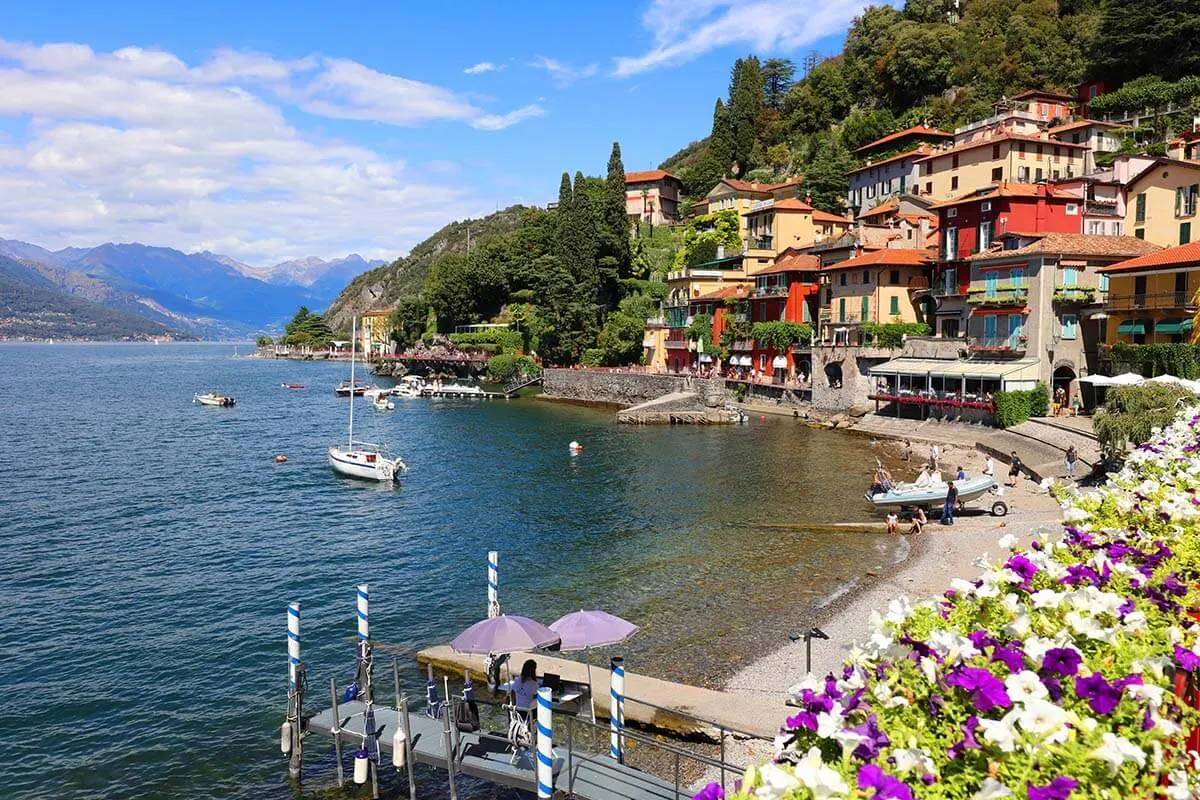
point(787, 291)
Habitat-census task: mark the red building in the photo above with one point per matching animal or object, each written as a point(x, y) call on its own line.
point(719, 305)
point(972, 223)
point(787, 291)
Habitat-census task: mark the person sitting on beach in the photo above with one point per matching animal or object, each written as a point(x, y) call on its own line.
point(918, 520)
point(924, 479)
point(961, 475)
point(523, 688)
point(892, 520)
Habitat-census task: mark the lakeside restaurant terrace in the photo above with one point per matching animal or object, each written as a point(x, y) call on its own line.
point(959, 389)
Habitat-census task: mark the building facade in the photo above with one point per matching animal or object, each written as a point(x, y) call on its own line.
point(1162, 202)
point(375, 332)
point(742, 195)
point(1152, 299)
point(652, 197)
point(773, 226)
point(1004, 157)
point(787, 291)
point(875, 287)
point(876, 181)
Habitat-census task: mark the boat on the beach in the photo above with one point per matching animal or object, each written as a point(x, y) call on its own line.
point(364, 460)
point(345, 388)
point(910, 495)
point(213, 399)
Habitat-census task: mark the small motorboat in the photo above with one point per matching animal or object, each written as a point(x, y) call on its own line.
point(409, 386)
point(292, 385)
point(383, 403)
point(911, 495)
point(213, 399)
point(346, 388)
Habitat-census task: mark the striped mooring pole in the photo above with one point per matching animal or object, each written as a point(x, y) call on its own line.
point(493, 584)
point(364, 628)
point(545, 745)
point(616, 708)
point(292, 741)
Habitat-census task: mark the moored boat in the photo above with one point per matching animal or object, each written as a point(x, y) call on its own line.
point(362, 459)
point(213, 399)
point(345, 388)
point(409, 386)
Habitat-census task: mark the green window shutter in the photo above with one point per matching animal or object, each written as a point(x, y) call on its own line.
point(1185, 232)
point(1141, 207)
point(1179, 201)
point(895, 305)
point(866, 308)
point(842, 310)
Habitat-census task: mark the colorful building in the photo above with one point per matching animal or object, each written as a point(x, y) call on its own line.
point(375, 332)
point(1098, 136)
point(742, 195)
point(1028, 113)
point(1003, 157)
point(876, 181)
point(1152, 298)
point(786, 291)
point(1162, 202)
point(773, 226)
point(687, 284)
point(652, 197)
point(877, 287)
point(1040, 296)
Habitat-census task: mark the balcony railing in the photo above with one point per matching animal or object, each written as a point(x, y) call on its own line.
point(997, 344)
point(998, 297)
point(742, 345)
point(769, 291)
point(677, 344)
point(1082, 295)
point(1159, 300)
point(760, 243)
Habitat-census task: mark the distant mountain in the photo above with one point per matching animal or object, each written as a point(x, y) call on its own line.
point(31, 306)
point(406, 276)
point(27, 252)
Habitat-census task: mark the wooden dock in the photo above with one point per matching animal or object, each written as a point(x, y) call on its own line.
point(429, 391)
point(675, 708)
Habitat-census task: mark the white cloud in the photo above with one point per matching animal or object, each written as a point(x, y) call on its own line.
point(562, 74)
point(481, 67)
point(137, 145)
point(686, 29)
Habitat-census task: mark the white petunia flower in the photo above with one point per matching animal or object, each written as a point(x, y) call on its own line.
point(1019, 627)
point(929, 669)
point(1000, 732)
point(1045, 720)
point(819, 779)
point(1007, 541)
point(830, 722)
point(775, 782)
point(1024, 686)
point(1117, 750)
point(909, 759)
point(1046, 599)
point(991, 789)
point(1135, 622)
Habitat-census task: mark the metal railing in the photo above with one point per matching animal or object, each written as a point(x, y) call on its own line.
point(1070, 294)
point(1011, 343)
point(769, 291)
point(998, 297)
point(760, 243)
point(1133, 302)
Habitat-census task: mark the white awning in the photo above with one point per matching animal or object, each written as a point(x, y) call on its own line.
point(743, 361)
point(1096, 380)
point(705, 358)
point(1191, 386)
point(779, 362)
point(1019, 369)
point(1126, 379)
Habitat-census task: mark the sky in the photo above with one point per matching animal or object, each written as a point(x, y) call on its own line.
point(271, 130)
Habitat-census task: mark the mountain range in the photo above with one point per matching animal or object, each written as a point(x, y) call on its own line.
point(200, 294)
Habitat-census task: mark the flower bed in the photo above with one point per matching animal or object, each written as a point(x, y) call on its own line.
point(1059, 673)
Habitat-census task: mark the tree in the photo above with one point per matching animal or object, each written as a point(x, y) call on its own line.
point(825, 176)
point(718, 155)
point(920, 61)
point(620, 340)
point(449, 291)
point(1131, 413)
point(819, 100)
point(745, 105)
point(307, 330)
point(778, 74)
point(614, 255)
point(263, 341)
point(1146, 37)
point(867, 45)
point(866, 125)
point(408, 321)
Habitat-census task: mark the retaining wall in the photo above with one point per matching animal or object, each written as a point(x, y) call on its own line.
point(613, 388)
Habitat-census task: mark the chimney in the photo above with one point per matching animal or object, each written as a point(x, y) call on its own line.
point(808, 199)
point(923, 225)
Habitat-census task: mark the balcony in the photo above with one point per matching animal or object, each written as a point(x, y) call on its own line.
point(677, 344)
point(1074, 295)
point(769, 291)
point(1013, 343)
point(995, 298)
point(761, 243)
point(1152, 300)
point(742, 345)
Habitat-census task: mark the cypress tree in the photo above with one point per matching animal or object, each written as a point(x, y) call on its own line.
point(564, 193)
point(720, 148)
point(614, 259)
point(745, 105)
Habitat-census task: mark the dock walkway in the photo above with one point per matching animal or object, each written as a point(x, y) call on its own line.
point(429, 391)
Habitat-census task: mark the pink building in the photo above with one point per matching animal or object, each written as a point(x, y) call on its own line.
point(652, 197)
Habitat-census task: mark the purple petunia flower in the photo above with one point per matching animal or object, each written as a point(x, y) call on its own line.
point(804, 719)
point(1054, 687)
point(1010, 655)
point(1186, 659)
point(1173, 586)
point(1061, 660)
point(981, 639)
point(1023, 567)
point(1101, 695)
point(1058, 789)
point(712, 791)
point(887, 787)
point(875, 739)
point(986, 690)
point(1081, 574)
point(968, 742)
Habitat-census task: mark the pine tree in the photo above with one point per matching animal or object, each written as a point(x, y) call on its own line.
point(564, 192)
point(614, 257)
point(718, 154)
point(778, 74)
point(745, 105)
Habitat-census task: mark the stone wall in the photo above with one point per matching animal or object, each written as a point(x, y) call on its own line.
point(613, 388)
point(841, 377)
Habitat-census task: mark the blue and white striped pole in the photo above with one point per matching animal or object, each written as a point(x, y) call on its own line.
point(364, 629)
point(493, 584)
point(293, 622)
point(545, 745)
point(616, 708)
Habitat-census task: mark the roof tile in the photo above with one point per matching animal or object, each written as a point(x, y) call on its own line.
point(1187, 255)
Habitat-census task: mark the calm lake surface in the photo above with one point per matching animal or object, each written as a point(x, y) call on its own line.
point(149, 548)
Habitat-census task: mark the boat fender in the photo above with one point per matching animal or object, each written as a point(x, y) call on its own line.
point(281, 458)
point(351, 692)
point(398, 742)
point(361, 760)
point(285, 737)
point(575, 447)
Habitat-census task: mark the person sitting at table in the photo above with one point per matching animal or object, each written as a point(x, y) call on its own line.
point(524, 687)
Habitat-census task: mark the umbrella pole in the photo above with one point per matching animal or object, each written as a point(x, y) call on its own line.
point(587, 654)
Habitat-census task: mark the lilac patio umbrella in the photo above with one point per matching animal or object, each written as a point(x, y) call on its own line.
point(583, 630)
point(507, 633)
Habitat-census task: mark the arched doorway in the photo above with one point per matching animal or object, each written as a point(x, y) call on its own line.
point(833, 372)
point(1064, 384)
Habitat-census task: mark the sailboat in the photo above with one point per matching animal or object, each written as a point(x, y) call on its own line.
point(362, 459)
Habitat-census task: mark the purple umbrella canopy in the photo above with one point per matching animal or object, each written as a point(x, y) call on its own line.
point(507, 633)
point(583, 629)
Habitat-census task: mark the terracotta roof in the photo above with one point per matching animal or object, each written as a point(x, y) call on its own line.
point(791, 204)
point(648, 176)
point(724, 293)
point(1028, 93)
point(997, 139)
point(887, 257)
point(791, 260)
point(1007, 189)
point(1187, 255)
point(824, 216)
point(914, 153)
point(916, 130)
point(760, 188)
point(1082, 123)
point(1075, 244)
point(887, 206)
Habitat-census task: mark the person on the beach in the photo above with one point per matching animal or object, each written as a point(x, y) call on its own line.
point(951, 501)
point(924, 478)
point(1072, 457)
point(918, 520)
point(907, 450)
point(933, 456)
point(989, 467)
point(1014, 470)
point(892, 521)
point(961, 475)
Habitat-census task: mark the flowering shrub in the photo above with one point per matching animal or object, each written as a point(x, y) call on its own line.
point(1051, 676)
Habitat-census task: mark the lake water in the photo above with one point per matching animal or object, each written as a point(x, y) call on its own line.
point(150, 547)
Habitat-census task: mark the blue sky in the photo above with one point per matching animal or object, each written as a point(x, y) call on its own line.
point(271, 130)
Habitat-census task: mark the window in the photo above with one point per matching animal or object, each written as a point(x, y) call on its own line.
point(949, 282)
point(954, 161)
point(842, 308)
point(1070, 276)
point(843, 279)
point(894, 277)
point(1095, 228)
point(1072, 209)
point(1102, 283)
point(866, 277)
point(928, 187)
point(995, 152)
point(762, 362)
point(1038, 175)
point(1020, 149)
point(951, 213)
point(1140, 233)
point(985, 206)
point(1074, 138)
point(997, 174)
point(985, 235)
point(1039, 152)
point(1140, 214)
point(991, 283)
point(1070, 326)
point(954, 183)
point(903, 180)
point(894, 306)
point(1017, 278)
point(1022, 174)
point(927, 168)
point(1057, 151)
point(1185, 232)
point(1185, 200)
point(951, 244)
point(866, 308)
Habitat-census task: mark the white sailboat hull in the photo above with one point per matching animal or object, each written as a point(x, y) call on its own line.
point(365, 464)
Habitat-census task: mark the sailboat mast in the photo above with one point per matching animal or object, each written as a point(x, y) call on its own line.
point(353, 343)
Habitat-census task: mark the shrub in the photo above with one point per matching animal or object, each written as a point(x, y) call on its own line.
point(1167, 358)
point(779, 336)
point(1131, 413)
point(502, 340)
point(509, 367)
point(891, 334)
point(592, 357)
point(1014, 407)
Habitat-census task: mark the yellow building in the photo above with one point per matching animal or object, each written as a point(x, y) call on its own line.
point(375, 332)
point(874, 287)
point(1016, 158)
point(773, 226)
point(1151, 298)
point(654, 344)
point(1162, 201)
point(743, 195)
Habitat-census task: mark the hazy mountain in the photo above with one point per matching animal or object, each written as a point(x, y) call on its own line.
point(32, 306)
point(26, 251)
